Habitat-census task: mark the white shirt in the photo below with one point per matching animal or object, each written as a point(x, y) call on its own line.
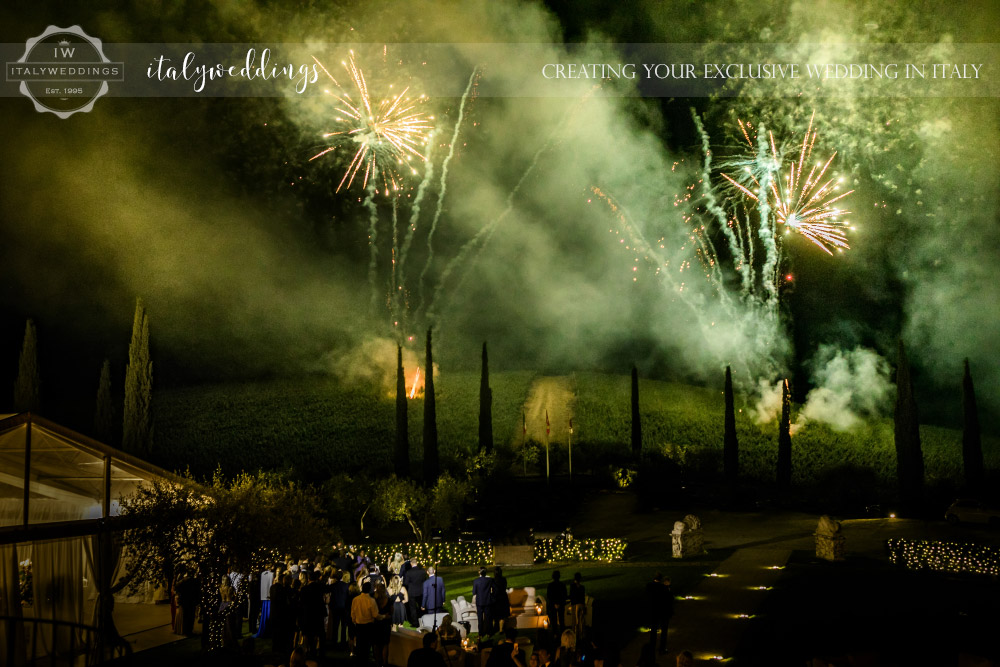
point(266, 579)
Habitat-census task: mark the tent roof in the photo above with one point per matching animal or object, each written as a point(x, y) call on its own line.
point(66, 470)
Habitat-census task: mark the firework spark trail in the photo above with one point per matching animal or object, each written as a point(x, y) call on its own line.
point(388, 132)
point(766, 231)
point(637, 241)
point(748, 319)
point(396, 289)
point(744, 269)
point(485, 234)
point(411, 229)
point(443, 189)
point(369, 203)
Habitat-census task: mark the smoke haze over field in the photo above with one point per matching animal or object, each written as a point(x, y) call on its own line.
point(251, 263)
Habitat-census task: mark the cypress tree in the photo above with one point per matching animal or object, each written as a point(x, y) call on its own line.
point(785, 438)
point(104, 412)
point(27, 388)
point(636, 419)
point(402, 458)
point(730, 446)
point(972, 446)
point(909, 457)
point(485, 407)
point(430, 420)
point(137, 431)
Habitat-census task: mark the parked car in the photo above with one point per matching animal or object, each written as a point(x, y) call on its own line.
point(967, 510)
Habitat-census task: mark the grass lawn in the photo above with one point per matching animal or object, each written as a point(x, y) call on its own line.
point(618, 590)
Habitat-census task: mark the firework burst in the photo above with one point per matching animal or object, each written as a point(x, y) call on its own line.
point(804, 202)
point(388, 132)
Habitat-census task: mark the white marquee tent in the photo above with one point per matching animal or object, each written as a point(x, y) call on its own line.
point(59, 499)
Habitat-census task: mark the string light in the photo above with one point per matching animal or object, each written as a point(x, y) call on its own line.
point(607, 550)
point(440, 553)
point(945, 556)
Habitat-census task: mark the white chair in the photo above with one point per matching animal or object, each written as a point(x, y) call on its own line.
point(464, 612)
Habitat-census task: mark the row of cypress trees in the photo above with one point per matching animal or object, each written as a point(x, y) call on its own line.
point(137, 416)
point(909, 455)
point(431, 462)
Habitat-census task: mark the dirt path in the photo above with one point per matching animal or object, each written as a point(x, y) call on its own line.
point(555, 395)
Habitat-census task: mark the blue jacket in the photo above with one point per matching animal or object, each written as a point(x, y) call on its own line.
point(434, 597)
point(481, 588)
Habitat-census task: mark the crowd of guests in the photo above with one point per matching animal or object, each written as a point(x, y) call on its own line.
point(347, 602)
point(342, 601)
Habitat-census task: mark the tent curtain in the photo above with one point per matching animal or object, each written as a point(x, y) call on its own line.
point(104, 567)
point(57, 568)
point(12, 648)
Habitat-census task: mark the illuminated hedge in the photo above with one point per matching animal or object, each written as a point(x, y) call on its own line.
point(945, 556)
point(480, 553)
point(608, 550)
point(439, 553)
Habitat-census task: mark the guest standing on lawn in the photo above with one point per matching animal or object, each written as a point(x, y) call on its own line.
point(661, 608)
point(433, 593)
point(340, 611)
point(500, 608)
point(282, 622)
point(482, 593)
point(414, 580)
point(578, 603)
point(555, 598)
point(312, 614)
point(399, 599)
point(364, 611)
point(383, 625)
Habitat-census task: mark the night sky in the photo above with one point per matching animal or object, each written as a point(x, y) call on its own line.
point(252, 265)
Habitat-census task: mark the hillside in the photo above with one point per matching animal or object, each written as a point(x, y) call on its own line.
point(317, 427)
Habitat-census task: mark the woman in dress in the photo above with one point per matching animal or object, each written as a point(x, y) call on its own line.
point(383, 625)
point(397, 593)
point(395, 564)
point(498, 589)
point(578, 603)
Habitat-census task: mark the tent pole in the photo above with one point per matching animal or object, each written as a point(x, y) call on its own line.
point(107, 487)
point(27, 471)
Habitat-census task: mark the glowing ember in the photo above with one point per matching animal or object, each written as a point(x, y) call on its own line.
point(416, 381)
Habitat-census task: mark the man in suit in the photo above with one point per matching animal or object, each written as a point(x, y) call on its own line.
point(414, 580)
point(481, 592)
point(661, 607)
point(555, 599)
point(433, 593)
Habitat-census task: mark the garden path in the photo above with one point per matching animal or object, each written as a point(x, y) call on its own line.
point(555, 394)
point(711, 623)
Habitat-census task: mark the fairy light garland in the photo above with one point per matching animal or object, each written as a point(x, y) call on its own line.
point(961, 557)
point(606, 550)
